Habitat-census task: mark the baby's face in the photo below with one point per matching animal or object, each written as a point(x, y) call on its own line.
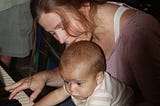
point(79, 83)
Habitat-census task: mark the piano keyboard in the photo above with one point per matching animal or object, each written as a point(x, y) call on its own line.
point(21, 96)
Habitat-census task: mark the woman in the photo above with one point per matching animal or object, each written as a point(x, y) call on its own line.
point(129, 38)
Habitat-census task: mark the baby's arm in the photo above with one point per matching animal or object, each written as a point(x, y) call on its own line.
point(53, 98)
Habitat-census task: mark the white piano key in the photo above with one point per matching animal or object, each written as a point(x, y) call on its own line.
point(21, 96)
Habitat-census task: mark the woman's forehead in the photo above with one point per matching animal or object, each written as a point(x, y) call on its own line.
point(49, 20)
point(50, 16)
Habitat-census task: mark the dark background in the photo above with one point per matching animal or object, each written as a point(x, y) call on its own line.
point(149, 6)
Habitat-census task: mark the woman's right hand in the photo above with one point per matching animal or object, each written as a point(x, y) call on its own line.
point(34, 83)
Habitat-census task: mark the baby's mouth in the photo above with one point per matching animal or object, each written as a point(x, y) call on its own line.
point(78, 97)
point(75, 96)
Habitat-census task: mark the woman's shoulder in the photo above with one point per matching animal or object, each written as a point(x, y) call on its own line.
point(141, 20)
point(142, 27)
point(111, 8)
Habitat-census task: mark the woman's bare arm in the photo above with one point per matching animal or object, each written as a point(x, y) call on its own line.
point(36, 83)
point(53, 98)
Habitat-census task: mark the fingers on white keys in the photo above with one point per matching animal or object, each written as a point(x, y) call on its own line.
point(35, 94)
point(13, 86)
point(17, 87)
point(16, 90)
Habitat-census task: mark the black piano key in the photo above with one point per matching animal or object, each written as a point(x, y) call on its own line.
point(2, 85)
point(6, 102)
point(4, 93)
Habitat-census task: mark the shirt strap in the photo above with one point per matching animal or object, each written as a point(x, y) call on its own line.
point(117, 18)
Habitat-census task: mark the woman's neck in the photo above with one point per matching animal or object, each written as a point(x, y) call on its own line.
point(105, 28)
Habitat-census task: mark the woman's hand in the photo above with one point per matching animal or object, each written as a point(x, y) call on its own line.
point(34, 83)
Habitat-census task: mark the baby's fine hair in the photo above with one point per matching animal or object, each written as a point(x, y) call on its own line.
point(84, 53)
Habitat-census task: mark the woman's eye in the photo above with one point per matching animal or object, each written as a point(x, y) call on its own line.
point(52, 33)
point(62, 28)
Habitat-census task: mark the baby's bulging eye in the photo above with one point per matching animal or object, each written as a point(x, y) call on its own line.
point(66, 82)
point(79, 83)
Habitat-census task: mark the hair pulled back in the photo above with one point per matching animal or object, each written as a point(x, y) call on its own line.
point(73, 6)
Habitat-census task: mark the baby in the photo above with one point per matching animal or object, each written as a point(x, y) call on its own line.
point(82, 67)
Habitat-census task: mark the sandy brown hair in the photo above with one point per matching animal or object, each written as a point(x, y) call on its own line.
point(85, 53)
point(73, 6)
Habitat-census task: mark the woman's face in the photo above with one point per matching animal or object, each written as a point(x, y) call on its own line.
point(52, 23)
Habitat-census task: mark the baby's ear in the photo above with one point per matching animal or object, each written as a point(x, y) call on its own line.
point(99, 77)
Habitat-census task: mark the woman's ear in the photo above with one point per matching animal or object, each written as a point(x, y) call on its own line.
point(86, 5)
point(99, 77)
point(85, 8)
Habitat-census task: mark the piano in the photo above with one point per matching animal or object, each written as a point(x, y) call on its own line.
point(21, 96)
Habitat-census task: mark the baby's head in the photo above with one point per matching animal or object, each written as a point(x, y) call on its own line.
point(82, 66)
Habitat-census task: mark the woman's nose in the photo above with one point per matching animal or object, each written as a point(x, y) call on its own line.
point(62, 36)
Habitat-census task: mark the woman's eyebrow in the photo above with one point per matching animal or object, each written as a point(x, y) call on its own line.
point(59, 25)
